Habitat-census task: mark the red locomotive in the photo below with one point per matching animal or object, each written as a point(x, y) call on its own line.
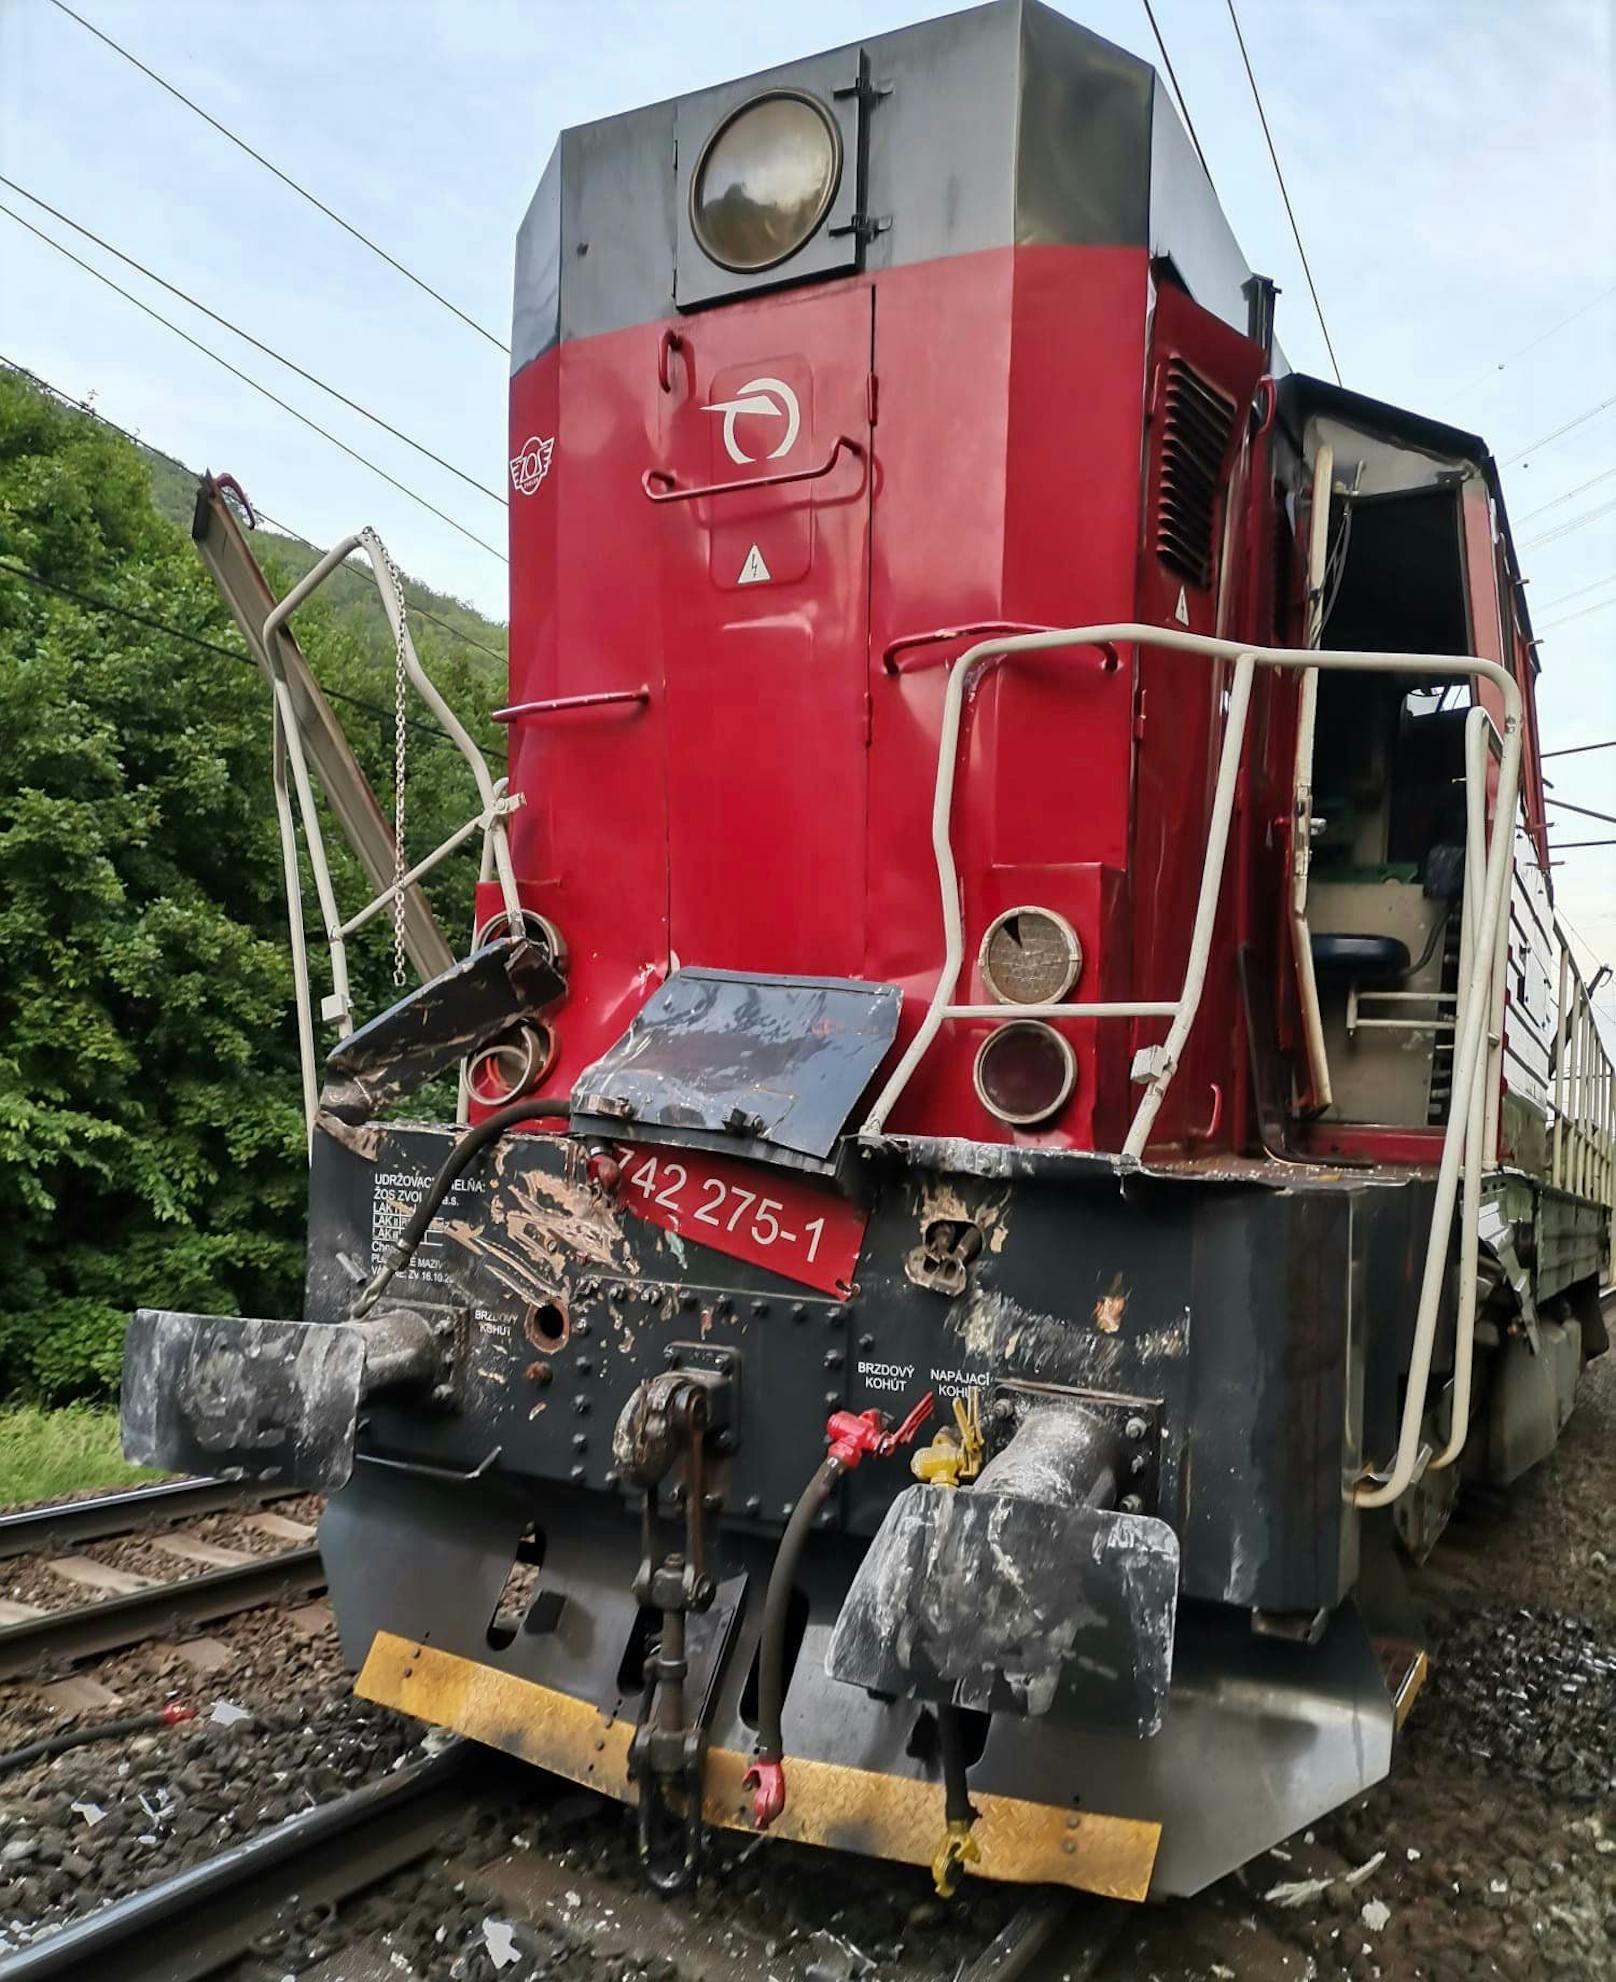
point(1022, 1102)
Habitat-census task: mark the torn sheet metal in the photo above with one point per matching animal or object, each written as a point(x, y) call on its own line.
point(776, 1062)
point(437, 1025)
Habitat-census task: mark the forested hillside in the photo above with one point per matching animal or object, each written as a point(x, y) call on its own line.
point(150, 1131)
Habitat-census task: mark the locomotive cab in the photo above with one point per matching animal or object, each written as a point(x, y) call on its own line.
point(984, 1060)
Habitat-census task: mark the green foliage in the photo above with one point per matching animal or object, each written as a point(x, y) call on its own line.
point(151, 1141)
point(45, 1455)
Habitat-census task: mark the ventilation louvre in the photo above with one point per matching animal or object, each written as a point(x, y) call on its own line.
point(1197, 422)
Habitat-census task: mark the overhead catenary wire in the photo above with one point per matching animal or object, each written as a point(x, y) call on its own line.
point(1577, 592)
point(1543, 336)
point(269, 351)
point(235, 371)
point(1604, 475)
point(1178, 91)
point(1580, 749)
point(455, 633)
point(1284, 191)
point(154, 625)
point(285, 178)
point(1559, 433)
point(355, 572)
point(1582, 612)
point(1569, 528)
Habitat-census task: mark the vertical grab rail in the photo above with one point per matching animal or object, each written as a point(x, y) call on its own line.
point(289, 752)
point(1476, 751)
point(1160, 1064)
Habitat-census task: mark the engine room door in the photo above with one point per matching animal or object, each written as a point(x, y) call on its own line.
point(764, 492)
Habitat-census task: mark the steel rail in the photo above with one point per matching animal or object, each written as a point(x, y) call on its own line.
point(202, 1919)
point(1052, 1936)
point(122, 1513)
point(66, 1635)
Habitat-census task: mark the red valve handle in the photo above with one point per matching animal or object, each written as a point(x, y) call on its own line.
point(904, 1435)
point(767, 1782)
point(855, 1436)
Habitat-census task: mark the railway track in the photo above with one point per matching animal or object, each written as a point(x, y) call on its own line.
point(204, 1918)
point(63, 1637)
point(112, 1514)
point(200, 1921)
point(37, 1639)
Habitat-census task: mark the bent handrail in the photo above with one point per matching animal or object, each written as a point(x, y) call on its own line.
point(1157, 1065)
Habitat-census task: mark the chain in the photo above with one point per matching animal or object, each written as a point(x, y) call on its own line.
point(400, 771)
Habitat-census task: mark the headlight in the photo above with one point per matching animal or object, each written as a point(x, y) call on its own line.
point(512, 1065)
point(1025, 1072)
point(765, 181)
point(541, 932)
point(1030, 956)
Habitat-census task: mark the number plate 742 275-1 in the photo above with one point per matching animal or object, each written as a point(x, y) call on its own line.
point(791, 1225)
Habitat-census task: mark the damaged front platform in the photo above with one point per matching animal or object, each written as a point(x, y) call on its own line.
point(1060, 1632)
point(1260, 1737)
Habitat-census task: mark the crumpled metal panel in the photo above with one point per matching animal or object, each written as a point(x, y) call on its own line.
point(780, 1061)
point(439, 1023)
point(1011, 1605)
point(267, 1400)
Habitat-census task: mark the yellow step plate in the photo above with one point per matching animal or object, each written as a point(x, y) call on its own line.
point(848, 1809)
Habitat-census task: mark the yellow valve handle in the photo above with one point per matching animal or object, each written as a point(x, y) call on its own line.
point(973, 1448)
point(940, 1463)
point(957, 1850)
point(956, 1452)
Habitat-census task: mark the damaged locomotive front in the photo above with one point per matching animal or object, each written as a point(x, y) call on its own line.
point(986, 1177)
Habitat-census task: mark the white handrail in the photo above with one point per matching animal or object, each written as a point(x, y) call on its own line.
point(1476, 990)
point(1476, 752)
point(288, 750)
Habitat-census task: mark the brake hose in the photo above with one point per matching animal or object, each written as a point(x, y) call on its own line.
point(958, 1847)
point(852, 1437)
point(766, 1777)
point(540, 1108)
point(80, 1737)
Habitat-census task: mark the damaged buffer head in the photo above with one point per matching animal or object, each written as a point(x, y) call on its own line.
point(280, 1400)
point(1031, 1589)
point(265, 1400)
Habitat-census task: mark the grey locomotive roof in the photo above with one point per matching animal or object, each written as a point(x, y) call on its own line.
point(1004, 125)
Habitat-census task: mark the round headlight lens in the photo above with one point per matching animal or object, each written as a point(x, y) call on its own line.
point(765, 181)
point(1030, 956)
point(1025, 1072)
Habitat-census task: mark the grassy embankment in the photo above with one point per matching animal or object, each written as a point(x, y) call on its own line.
point(46, 1454)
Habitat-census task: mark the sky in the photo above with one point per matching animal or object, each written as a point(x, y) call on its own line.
point(1452, 167)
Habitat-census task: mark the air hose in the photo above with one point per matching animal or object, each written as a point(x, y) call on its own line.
point(80, 1737)
point(539, 1109)
point(851, 1437)
point(958, 1847)
point(766, 1777)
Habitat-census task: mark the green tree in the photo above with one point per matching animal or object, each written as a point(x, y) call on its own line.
point(151, 1141)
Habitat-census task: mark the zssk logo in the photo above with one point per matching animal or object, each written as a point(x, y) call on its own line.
point(530, 467)
point(765, 398)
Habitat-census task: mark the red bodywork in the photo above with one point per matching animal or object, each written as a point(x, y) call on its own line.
point(979, 442)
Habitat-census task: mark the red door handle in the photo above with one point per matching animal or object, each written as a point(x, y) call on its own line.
point(670, 491)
